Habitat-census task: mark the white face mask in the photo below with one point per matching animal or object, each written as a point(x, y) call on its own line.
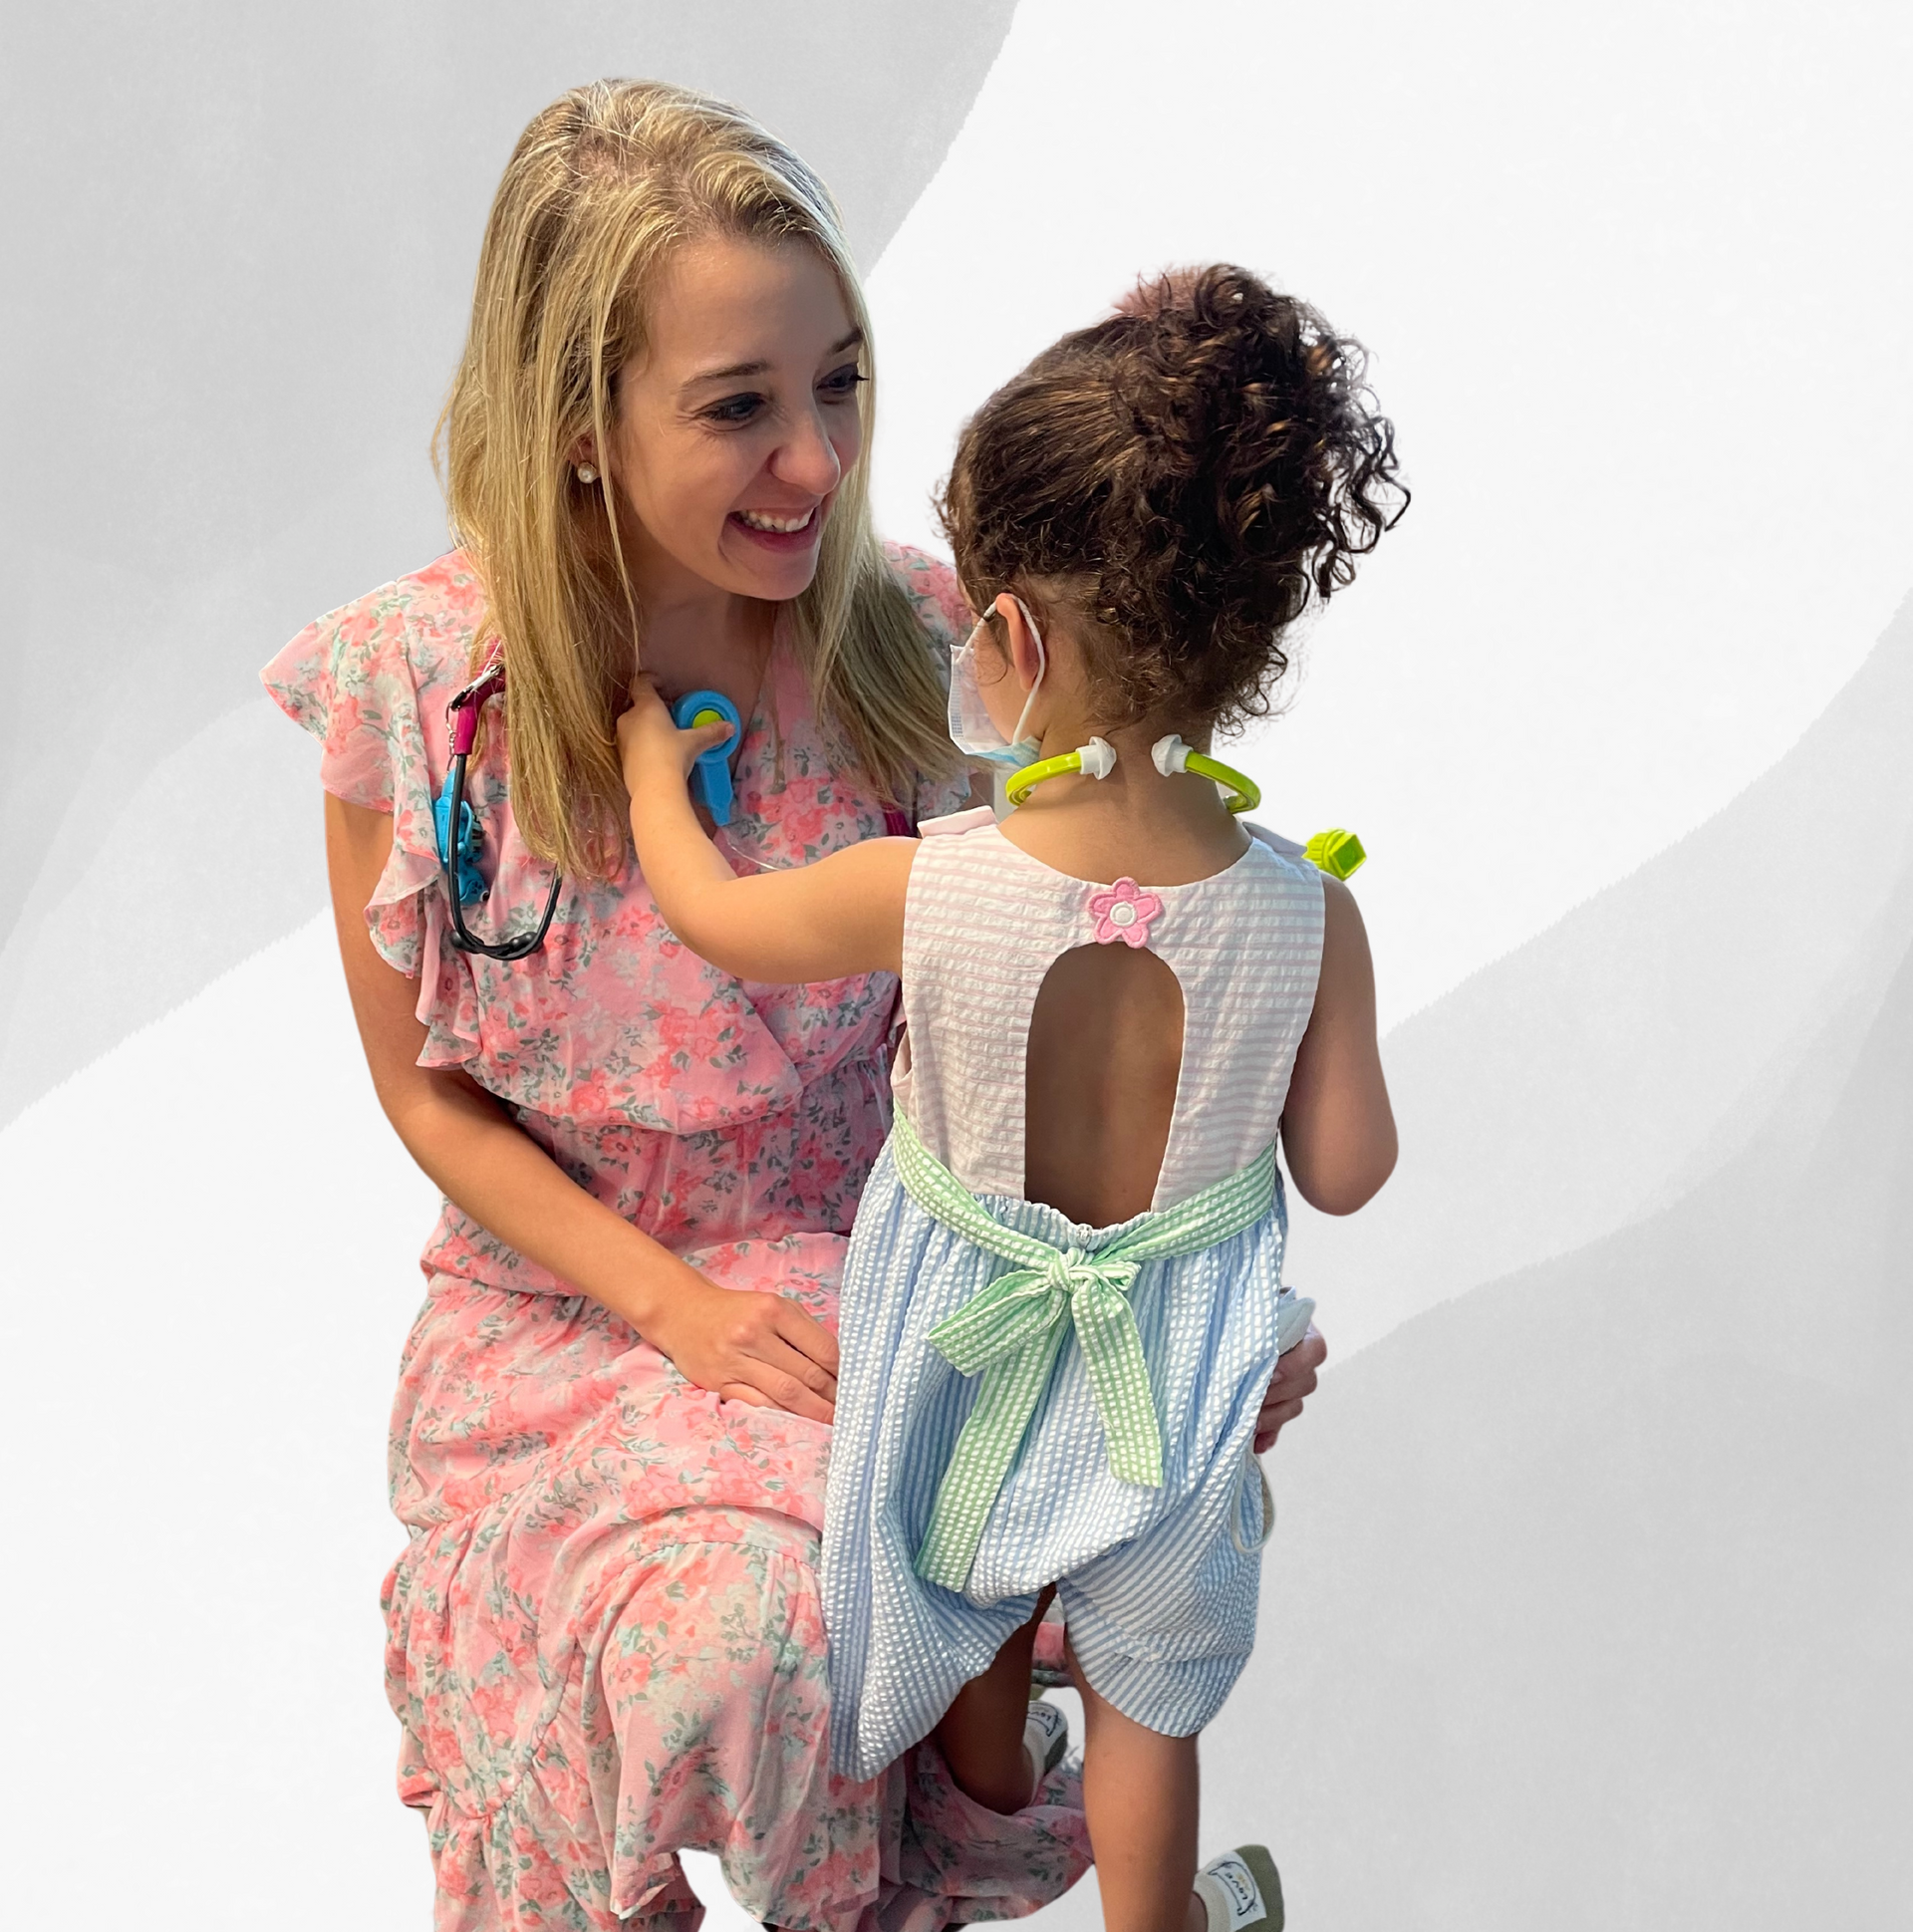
point(972, 728)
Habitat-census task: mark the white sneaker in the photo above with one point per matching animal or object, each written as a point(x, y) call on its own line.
point(1045, 1738)
point(1241, 1891)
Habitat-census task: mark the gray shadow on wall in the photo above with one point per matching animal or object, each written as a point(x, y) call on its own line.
point(1591, 1601)
point(1608, 1066)
point(246, 239)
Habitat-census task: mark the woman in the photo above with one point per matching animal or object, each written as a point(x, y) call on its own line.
point(611, 1428)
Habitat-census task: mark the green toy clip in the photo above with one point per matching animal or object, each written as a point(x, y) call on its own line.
point(1335, 852)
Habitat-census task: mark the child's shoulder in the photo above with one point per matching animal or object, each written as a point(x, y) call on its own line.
point(1283, 867)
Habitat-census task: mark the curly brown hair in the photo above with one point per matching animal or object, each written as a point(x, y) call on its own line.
point(1200, 466)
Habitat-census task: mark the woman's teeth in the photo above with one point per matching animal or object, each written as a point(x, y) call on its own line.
point(782, 525)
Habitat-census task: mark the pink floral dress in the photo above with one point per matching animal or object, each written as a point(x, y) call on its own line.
point(604, 1638)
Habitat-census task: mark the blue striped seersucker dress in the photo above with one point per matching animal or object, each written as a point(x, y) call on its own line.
point(1159, 1585)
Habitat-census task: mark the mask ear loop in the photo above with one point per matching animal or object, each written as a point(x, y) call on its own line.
point(1043, 665)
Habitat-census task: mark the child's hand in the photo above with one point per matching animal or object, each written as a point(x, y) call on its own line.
point(648, 741)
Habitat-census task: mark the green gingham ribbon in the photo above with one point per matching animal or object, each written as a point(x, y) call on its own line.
point(1012, 1332)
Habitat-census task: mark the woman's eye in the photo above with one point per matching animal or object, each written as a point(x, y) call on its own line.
point(842, 383)
point(735, 409)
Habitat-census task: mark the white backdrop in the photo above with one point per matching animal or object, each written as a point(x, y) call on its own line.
point(1591, 1596)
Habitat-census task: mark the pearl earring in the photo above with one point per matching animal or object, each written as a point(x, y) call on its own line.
point(586, 474)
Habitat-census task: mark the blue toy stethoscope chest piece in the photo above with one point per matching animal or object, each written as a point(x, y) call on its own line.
point(710, 775)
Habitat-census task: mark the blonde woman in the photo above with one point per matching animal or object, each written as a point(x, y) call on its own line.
point(610, 1436)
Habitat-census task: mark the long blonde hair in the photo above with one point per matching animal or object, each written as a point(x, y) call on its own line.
point(600, 189)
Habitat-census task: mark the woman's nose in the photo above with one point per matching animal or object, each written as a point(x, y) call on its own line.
point(808, 459)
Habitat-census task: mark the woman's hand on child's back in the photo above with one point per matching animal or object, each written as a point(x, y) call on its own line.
point(1294, 1382)
point(747, 1346)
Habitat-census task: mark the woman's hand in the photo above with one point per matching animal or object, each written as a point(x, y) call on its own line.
point(649, 741)
point(1295, 1379)
point(747, 1347)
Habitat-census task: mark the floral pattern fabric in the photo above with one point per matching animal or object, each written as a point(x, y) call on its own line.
point(604, 1639)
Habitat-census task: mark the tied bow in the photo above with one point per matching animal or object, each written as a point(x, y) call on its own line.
point(1012, 1330)
point(1025, 1312)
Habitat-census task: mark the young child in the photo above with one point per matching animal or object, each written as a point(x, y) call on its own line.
point(1062, 1299)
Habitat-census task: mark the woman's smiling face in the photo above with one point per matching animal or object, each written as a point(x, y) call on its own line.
point(735, 430)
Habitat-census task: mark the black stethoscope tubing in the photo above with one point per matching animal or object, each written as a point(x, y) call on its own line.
point(462, 937)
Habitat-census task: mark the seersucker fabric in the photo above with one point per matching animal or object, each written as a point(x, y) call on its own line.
point(1098, 1357)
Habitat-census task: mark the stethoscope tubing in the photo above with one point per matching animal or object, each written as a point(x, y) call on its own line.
point(462, 714)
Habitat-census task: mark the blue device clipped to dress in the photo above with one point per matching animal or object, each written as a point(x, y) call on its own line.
point(471, 882)
point(710, 775)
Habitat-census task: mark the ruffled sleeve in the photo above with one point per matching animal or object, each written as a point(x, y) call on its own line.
point(369, 681)
point(932, 589)
point(611, 1020)
point(938, 598)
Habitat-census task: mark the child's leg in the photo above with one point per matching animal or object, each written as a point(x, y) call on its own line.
point(1139, 1792)
point(981, 1734)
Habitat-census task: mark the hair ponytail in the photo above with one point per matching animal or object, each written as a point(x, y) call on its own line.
point(1200, 466)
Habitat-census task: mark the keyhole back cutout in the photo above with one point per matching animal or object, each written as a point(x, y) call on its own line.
point(1104, 1057)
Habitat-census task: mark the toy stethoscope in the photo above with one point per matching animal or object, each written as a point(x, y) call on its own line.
point(458, 866)
point(1336, 852)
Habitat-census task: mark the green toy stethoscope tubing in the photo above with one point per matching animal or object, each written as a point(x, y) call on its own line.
point(1246, 793)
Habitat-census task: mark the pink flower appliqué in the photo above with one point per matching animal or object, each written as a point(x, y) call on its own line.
point(1124, 913)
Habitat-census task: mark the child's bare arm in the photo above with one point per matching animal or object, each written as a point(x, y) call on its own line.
point(841, 916)
point(1338, 1132)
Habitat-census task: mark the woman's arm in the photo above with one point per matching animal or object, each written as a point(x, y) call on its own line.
point(757, 1348)
point(841, 916)
point(1338, 1132)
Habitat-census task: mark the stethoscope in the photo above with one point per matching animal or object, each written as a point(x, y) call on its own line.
point(462, 886)
point(458, 860)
